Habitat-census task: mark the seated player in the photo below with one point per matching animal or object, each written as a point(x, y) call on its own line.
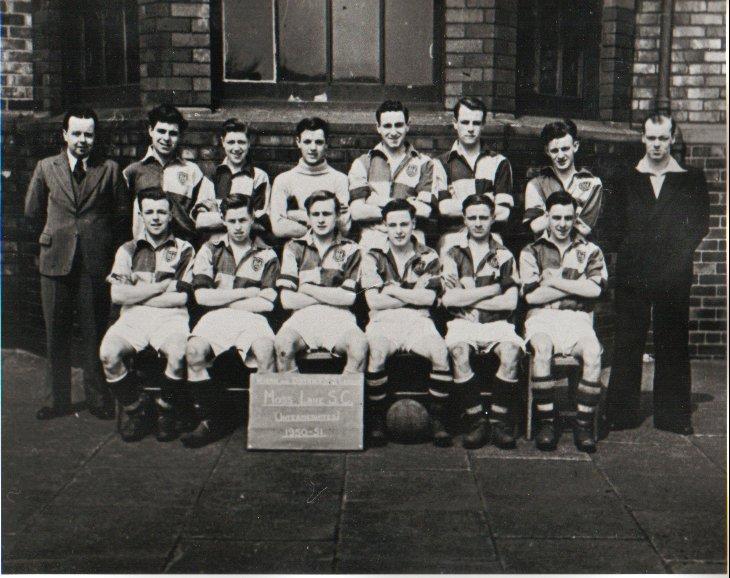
point(237, 175)
point(235, 276)
point(560, 140)
point(401, 283)
point(391, 170)
point(562, 276)
point(480, 279)
point(151, 279)
point(318, 281)
point(470, 168)
point(312, 173)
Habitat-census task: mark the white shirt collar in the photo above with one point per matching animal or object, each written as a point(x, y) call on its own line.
point(672, 166)
point(72, 161)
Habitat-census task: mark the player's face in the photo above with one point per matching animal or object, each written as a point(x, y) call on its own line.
point(165, 137)
point(561, 152)
point(323, 217)
point(478, 220)
point(469, 126)
point(658, 140)
point(156, 216)
point(312, 145)
point(400, 227)
point(560, 221)
point(79, 136)
point(393, 129)
point(238, 224)
point(236, 145)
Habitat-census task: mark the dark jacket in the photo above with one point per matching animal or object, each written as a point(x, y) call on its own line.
point(94, 217)
point(657, 237)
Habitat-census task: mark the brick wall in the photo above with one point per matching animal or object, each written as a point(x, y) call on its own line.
point(17, 55)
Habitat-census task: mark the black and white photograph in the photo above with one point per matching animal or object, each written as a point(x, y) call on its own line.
point(364, 287)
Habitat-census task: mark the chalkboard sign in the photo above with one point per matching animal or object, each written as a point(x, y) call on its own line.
point(292, 411)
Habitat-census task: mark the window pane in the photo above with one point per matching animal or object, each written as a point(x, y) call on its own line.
point(356, 40)
point(408, 39)
point(114, 46)
point(302, 40)
point(248, 40)
point(94, 49)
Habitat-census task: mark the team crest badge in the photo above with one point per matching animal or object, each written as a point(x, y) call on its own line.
point(494, 262)
point(339, 256)
point(182, 176)
point(257, 264)
point(170, 254)
point(584, 186)
point(581, 255)
point(411, 171)
point(419, 267)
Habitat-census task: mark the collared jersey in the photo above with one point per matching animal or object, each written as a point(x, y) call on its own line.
point(379, 269)
point(216, 267)
point(455, 179)
point(338, 267)
point(189, 189)
point(583, 186)
point(581, 260)
point(371, 178)
point(657, 178)
point(139, 260)
point(250, 182)
point(497, 266)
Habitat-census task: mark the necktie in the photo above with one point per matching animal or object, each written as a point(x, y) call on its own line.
point(79, 172)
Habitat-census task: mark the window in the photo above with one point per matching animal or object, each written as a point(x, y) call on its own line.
point(103, 48)
point(558, 49)
point(347, 49)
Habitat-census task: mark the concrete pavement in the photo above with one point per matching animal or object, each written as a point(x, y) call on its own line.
point(77, 499)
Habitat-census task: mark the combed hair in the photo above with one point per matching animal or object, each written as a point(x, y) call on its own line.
point(168, 114)
point(235, 202)
point(558, 129)
point(234, 125)
point(153, 194)
point(312, 123)
point(657, 117)
point(80, 112)
point(560, 198)
point(399, 205)
point(472, 103)
point(321, 195)
point(477, 199)
point(391, 106)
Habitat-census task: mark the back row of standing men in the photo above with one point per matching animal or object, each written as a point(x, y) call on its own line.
point(391, 191)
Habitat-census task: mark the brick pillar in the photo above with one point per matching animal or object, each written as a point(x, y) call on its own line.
point(17, 63)
point(48, 55)
point(617, 57)
point(481, 52)
point(174, 41)
point(646, 57)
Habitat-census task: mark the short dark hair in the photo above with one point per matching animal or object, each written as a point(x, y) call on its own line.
point(152, 194)
point(399, 205)
point(167, 113)
point(558, 129)
point(234, 125)
point(657, 117)
point(391, 106)
point(80, 112)
point(472, 103)
point(560, 198)
point(477, 199)
point(235, 201)
point(321, 195)
point(312, 123)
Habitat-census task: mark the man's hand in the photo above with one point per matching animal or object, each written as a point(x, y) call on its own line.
point(450, 281)
point(388, 289)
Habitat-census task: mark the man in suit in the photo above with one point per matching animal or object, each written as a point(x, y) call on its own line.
point(81, 203)
point(660, 213)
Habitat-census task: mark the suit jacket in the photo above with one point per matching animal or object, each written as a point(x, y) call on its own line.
point(658, 236)
point(93, 217)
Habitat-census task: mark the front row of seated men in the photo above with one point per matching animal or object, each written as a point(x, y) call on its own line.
point(236, 278)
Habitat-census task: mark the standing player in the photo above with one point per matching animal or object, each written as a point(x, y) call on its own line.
point(467, 169)
point(312, 173)
point(560, 140)
point(151, 279)
point(235, 277)
point(191, 193)
point(318, 280)
point(391, 170)
point(562, 276)
point(481, 291)
point(401, 283)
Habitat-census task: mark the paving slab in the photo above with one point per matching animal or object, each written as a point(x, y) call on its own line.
point(107, 564)
point(579, 556)
point(697, 567)
point(197, 555)
point(236, 514)
point(403, 457)
point(415, 566)
point(19, 505)
point(680, 457)
point(526, 450)
point(686, 535)
point(714, 447)
point(440, 490)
